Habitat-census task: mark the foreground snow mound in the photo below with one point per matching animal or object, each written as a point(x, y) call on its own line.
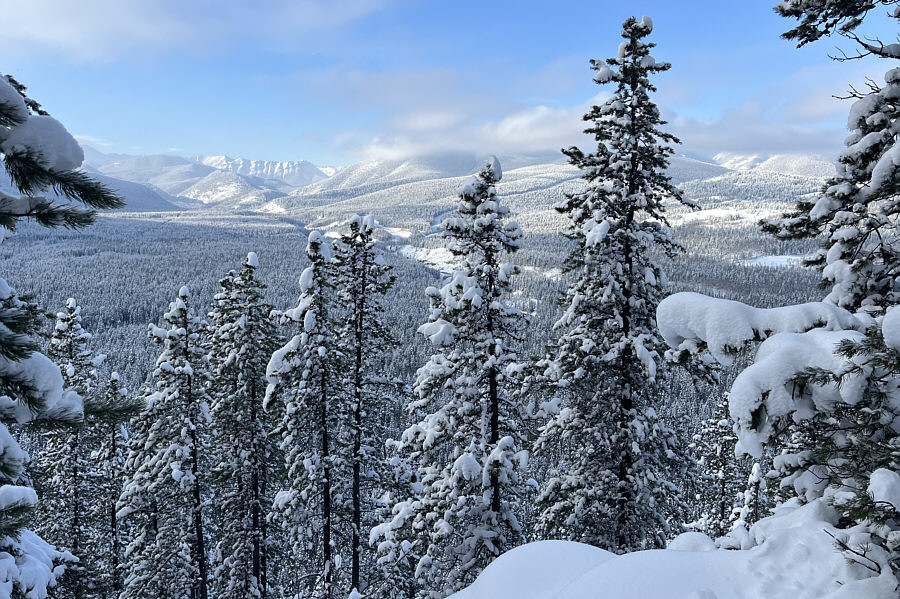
point(793, 557)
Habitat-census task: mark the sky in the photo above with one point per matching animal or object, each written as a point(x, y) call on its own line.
point(338, 81)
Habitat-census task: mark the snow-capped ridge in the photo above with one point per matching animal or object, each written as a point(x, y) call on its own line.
point(293, 172)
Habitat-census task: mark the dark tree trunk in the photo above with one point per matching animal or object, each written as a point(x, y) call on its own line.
point(357, 423)
point(326, 490)
point(114, 526)
point(199, 589)
point(77, 572)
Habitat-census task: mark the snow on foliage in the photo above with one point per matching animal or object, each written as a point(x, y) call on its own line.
point(54, 147)
point(467, 443)
point(694, 322)
point(794, 338)
point(884, 487)
point(610, 459)
point(890, 328)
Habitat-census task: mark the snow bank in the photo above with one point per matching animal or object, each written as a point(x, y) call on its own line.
point(794, 558)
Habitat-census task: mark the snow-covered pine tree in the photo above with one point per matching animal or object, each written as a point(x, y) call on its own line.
point(796, 376)
point(822, 18)
point(105, 540)
point(64, 467)
point(723, 478)
point(163, 498)
point(363, 280)
point(393, 539)
point(859, 444)
point(304, 381)
point(242, 338)
point(613, 486)
point(38, 155)
point(468, 445)
point(859, 210)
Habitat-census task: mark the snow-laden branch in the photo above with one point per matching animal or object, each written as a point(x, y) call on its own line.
point(794, 338)
point(694, 322)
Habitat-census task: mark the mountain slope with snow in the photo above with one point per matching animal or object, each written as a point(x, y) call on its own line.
point(225, 188)
point(785, 164)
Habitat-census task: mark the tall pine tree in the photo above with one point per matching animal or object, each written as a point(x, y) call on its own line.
point(613, 486)
point(242, 339)
point(468, 444)
point(303, 380)
point(363, 279)
point(105, 426)
point(723, 478)
point(64, 466)
point(163, 499)
point(857, 212)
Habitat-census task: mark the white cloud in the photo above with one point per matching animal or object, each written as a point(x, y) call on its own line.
point(108, 30)
point(92, 140)
point(795, 115)
point(536, 129)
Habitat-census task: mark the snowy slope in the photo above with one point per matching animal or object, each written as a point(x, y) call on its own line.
point(815, 167)
point(138, 198)
point(793, 558)
point(295, 173)
point(172, 174)
point(226, 188)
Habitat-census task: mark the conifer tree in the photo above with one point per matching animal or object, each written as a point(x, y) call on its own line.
point(857, 212)
point(242, 339)
point(303, 381)
point(64, 465)
point(722, 484)
point(613, 488)
point(105, 426)
point(363, 279)
point(468, 445)
point(861, 439)
point(38, 155)
point(163, 498)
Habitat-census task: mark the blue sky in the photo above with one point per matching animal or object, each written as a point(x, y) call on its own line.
point(340, 81)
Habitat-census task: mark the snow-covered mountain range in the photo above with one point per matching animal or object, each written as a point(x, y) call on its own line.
point(413, 191)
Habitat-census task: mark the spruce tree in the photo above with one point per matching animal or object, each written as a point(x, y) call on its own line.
point(858, 210)
point(64, 466)
point(39, 155)
point(241, 340)
point(859, 439)
point(163, 498)
point(106, 538)
point(613, 488)
point(468, 444)
point(722, 484)
point(303, 380)
point(363, 280)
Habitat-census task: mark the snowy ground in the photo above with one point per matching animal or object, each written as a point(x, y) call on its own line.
point(793, 557)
